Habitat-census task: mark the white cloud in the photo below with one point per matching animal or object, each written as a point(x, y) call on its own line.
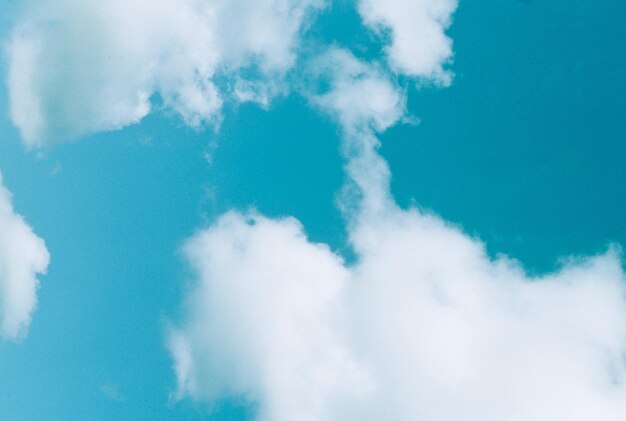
point(264, 321)
point(358, 93)
point(452, 335)
point(423, 326)
point(418, 45)
point(79, 67)
point(363, 100)
point(23, 255)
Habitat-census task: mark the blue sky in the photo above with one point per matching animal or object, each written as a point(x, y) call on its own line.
point(524, 150)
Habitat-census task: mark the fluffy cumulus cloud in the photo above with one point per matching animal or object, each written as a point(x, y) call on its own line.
point(423, 326)
point(264, 320)
point(78, 67)
point(23, 255)
point(415, 32)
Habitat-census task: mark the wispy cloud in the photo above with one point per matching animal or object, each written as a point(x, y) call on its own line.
point(112, 391)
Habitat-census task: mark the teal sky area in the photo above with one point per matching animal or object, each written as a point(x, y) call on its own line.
point(525, 150)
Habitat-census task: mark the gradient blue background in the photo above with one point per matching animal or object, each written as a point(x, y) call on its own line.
point(526, 151)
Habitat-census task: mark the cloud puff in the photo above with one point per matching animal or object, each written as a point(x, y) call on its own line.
point(356, 92)
point(415, 31)
point(264, 320)
point(23, 255)
point(79, 67)
point(424, 325)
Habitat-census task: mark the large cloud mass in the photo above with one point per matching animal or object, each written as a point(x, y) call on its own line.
point(23, 255)
point(78, 67)
point(424, 326)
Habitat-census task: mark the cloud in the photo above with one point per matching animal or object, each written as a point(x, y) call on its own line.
point(23, 255)
point(362, 99)
point(356, 92)
point(449, 334)
point(80, 67)
point(264, 320)
point(417, 44)
point(424, 325)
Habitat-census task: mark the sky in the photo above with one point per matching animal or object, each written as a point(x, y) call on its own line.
point(312, 210)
